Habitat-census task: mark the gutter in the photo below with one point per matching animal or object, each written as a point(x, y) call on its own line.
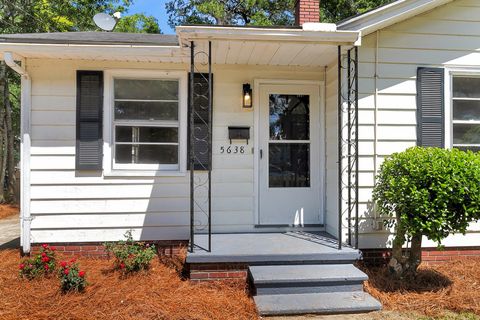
point(25, 144)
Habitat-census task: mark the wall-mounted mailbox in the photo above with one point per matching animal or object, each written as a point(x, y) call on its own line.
point(238, 133)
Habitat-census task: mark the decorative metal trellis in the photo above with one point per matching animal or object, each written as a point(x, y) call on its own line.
point(348, 146)
point(200, 144)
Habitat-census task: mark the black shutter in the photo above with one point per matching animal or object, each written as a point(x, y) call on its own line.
point(89, 146)
point(430, 107)
point(201, 121)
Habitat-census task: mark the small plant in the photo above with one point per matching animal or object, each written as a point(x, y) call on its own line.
point(131, 256)
point(43, 263)
point(71, 278)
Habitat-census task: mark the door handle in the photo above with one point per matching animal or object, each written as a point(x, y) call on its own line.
point(261, 153)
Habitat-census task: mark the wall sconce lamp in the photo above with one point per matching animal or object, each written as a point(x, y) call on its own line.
point(247, 96)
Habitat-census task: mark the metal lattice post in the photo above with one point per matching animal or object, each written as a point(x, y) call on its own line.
point(192, 144)
point(356, 149)
point(210, 151)
point(340, 145)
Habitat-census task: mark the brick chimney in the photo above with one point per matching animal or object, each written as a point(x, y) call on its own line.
point(307, 11)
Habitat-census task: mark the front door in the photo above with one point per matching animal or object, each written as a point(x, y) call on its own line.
point(289, 136)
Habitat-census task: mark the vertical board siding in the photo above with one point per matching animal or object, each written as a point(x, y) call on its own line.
point(445, 37)
point(69, 205)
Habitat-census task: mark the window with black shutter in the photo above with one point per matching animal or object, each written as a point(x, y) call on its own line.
point(430, 107)
point(89, 144)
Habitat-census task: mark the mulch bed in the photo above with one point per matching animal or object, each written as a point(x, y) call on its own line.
point(451, 286)
point(8, 210)
point(157, 294)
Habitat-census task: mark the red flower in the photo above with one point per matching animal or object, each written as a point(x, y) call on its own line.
point(81, 274)
point(21, 266)
point(46, 267)
point(122, 265)
point(44, 254)
point(53, 248)
point(63, 264)
point(45, 246)
point(45, 259)
point(73, 260)
point(66, 271)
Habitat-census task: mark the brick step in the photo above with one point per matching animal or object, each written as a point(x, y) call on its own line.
point(284, 279)
point(316, 303)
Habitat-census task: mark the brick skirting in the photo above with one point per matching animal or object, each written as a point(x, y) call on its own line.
point(97, 250)
point(429, 255)
point(217, 271)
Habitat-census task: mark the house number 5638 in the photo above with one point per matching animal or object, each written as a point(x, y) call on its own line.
point(232, 149)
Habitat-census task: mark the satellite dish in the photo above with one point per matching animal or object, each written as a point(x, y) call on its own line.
point(105, 21)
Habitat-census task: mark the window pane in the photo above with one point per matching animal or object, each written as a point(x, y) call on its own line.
point(145, 134)
point(464, 87)
point(289, 165)
point(466, 110)
point(289, 117)
point(146, 154)
point(473, 149)
point(466, 133)
point(137, 110)
point(146, 89)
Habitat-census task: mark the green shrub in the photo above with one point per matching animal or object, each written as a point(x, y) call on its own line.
point(131, 256)
point(71, 278)
point(428, 191)
point(42, 264)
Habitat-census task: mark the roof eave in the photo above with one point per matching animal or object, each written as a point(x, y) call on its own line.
point(389, 14)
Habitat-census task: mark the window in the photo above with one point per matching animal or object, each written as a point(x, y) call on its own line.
point(145, 122)
point(466, 112)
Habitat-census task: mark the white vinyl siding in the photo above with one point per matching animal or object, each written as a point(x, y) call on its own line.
point(78, 206)
point(445, 37)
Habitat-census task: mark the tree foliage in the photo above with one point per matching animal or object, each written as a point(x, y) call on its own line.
point(259, 12)
point(138, 23)
point(428, 192)
point(230, 12)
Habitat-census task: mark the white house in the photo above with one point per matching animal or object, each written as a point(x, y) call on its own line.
point(106, 119)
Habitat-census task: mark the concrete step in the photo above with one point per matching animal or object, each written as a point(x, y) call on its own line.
point(284, 279)
point(316, 303)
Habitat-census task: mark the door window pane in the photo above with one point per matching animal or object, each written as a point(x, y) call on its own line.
point(136, 89)
point(289, 165)
point(289, 117)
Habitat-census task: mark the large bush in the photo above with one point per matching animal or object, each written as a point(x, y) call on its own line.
point(427, 191)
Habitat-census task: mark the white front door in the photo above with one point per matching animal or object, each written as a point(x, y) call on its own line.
point(289, 155)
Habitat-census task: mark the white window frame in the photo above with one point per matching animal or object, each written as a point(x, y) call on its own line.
point(113, 169)
point(450, 73)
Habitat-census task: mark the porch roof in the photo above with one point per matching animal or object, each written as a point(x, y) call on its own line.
point(313, 45)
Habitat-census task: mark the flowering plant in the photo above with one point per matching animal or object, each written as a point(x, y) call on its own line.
point(71, 277)
point(131, 256)
point(42, 264)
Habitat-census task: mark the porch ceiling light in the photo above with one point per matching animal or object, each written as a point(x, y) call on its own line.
point(247, 95)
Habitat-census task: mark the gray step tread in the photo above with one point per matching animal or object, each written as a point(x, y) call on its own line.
point(306, 274)
point(319, 303)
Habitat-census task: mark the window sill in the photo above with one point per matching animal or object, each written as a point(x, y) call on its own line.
point(143, 173)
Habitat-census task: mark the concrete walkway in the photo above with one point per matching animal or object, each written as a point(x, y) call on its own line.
point(10, 232)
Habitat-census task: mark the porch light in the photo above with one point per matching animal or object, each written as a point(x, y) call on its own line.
point(247, 95)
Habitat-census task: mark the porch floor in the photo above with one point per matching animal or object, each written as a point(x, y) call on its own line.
point(271, 248)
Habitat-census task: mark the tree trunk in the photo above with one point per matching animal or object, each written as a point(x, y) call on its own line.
point(405, 265)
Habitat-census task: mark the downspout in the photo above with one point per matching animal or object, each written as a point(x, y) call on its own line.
point(26, 102)
point(375, 124)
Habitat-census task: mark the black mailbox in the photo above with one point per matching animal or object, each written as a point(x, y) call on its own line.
point(238, 133)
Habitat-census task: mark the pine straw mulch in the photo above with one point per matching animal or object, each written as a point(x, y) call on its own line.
point(452, 286)
point(158, 294)
point(8, 210)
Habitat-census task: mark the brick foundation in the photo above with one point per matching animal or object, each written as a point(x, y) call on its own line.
point(430, 256)
point(97, 250)
point(217, 271)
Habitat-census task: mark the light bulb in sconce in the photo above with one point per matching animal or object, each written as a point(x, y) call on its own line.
point(247, 96)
